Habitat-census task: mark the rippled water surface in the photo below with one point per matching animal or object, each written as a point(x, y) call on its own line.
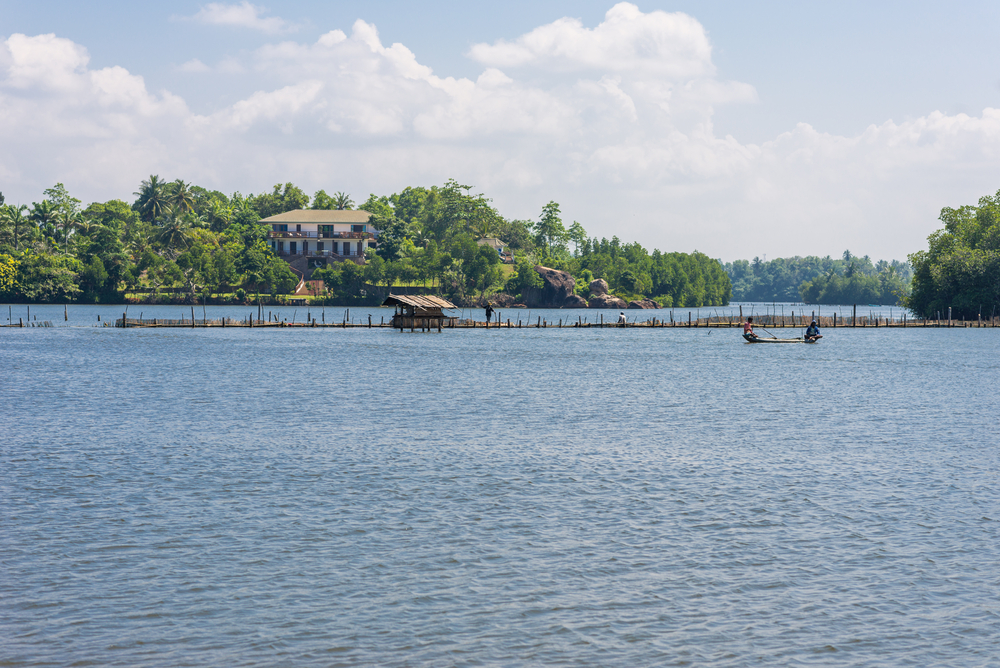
point(558, 497)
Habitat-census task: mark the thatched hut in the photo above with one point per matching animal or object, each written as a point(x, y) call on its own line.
point(420, 312)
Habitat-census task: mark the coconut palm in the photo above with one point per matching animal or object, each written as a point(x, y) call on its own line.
point(44, 214)
point(152, 199)
point(342, 201)
point(175, 233)
point(219, 215)
point(14, 216)
point(180, 197)
point(67, 221)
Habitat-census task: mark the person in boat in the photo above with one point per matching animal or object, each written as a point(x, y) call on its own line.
point(812, 332)
point(748, 333)
point(621, 318)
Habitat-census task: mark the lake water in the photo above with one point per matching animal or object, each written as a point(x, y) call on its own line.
point(300, 497)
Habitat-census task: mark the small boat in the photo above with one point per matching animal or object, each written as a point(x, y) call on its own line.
point(759, 339)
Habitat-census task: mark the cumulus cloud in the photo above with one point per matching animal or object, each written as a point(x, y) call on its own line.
point(194, 66)
point(668, 44)
point(625, 140)
point(243, 15)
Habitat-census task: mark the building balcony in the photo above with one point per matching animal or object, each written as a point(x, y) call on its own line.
point(321, 235)
point(316, 253)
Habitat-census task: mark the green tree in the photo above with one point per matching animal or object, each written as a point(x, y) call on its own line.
point(281, 199)
point(342, 201)
point(151, 199)
point(9, 269)
point(43, 277)
point(549, 228)
point(483, 271)
point(180, 197)
point(175, 233)
point(92, 278)
point(16, 224)
point(60, 197)
point(578, 236)
point(961, 267)
point(322, 201)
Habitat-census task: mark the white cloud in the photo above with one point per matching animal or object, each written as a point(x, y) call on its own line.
point(243, 15)
point(45, 62)
point(673, 45)
point(625, 141)
point(282, 106)
point(194, 66)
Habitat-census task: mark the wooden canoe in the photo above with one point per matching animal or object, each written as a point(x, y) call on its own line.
point(769, 340)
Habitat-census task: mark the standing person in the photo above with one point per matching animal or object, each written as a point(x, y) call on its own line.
point(748, 333)
point(489, 313)
point(812, 333)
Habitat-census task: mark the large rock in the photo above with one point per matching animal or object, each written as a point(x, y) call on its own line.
point(643, 303)
point(502, 300)
point(607, 301)
point(598, 286)
point(556, 291)
point(575, 301)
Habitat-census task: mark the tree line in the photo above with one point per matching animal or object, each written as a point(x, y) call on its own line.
point(815, 280)
point(430, 235)
point(176, 240)
point(961, 267)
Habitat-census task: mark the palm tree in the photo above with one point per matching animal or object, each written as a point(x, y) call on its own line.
point(152, 199)
point(219, 215)
point(67, 221)
point(85, 226)
point(179, 196)
point(45, 214)
point(14, 216)
point(175, 232)
point(342, 201)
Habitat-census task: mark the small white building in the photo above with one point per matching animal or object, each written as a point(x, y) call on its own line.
point(336, 234)
point(499, 246)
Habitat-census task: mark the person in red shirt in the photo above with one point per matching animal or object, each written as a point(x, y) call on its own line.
point(748, 329)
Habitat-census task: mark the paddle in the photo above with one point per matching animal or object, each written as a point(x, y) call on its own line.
point(768, 333)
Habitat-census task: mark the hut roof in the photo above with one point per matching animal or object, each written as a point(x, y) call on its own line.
point(493, 242)
point(418, 301)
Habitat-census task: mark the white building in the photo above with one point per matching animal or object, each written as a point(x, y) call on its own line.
point(321, 233)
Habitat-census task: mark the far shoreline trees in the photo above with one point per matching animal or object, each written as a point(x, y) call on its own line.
point(961, 267)
point(815, 280)
point(177, 240)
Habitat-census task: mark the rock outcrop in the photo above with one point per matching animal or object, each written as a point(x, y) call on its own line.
point(502, 300)
point(556, 291)
point(575, 301)
point(607, 301)
point(643, 303)
point(598, 286)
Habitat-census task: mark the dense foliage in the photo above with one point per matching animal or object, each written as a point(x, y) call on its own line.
point(815, 280)
point(177, 240)
point(174, 235)
point(961, 267)
point(429, 235)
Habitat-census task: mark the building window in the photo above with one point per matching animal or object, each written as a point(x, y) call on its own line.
point(291, 247)
point(305, 246)
point(319, 246)
point(357, 228)
point(298, 228)
point(335, 248)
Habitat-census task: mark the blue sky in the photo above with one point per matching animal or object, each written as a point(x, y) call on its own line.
point(736, 129)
